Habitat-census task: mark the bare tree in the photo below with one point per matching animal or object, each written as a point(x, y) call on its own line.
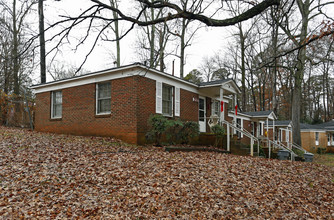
point(173, 10)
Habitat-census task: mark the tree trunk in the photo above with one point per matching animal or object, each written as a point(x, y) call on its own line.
point(299, 74)
point(15, 55)
point(118, 43)
point(42, 41)
point(243, 68)
point(183, 32)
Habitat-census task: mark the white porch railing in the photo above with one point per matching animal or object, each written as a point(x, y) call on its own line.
point(244, 132)
point(280, 146)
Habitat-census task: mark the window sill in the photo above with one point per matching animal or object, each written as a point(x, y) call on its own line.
point(56, 119)
point(107, 115)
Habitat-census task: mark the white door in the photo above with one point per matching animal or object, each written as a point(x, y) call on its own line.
point(201, 114)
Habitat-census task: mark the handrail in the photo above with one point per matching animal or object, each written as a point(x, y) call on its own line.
point(299, 147)
point(245, 132)
point(293, 154)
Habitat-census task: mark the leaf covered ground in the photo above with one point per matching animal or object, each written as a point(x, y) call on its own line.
point(55, 176)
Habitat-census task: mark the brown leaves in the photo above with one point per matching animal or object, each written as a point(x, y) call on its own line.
point(59, 176)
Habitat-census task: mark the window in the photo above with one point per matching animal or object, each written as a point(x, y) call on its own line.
point(103, 98)
point(316, 138)
point(333, 139)
point(216, 108)
point(167, 100)
point(328, 139)
point(56, 104)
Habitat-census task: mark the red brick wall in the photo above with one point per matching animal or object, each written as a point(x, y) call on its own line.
point(78, 116)
point(146, 105)
point(132, 102)
point(189, 108)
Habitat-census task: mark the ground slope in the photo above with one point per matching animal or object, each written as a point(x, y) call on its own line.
point(59, 176)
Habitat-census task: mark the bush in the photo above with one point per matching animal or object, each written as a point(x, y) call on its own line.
point(299, 152)
point(219, 132)
point(321, 150)
point(173, 130)
point(158, 125)
point(189, 131)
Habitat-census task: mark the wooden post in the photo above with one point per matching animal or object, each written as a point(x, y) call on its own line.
point(252, 146)
point(269, 149)
point(274, 130)
point(228, 136)
point(221, 94)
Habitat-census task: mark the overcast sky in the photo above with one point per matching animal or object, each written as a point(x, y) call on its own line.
point(206, 43)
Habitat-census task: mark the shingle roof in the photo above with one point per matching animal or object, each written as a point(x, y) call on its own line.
point(279, 123)
point(304, 126)
point(216, 82)
point(258, 114)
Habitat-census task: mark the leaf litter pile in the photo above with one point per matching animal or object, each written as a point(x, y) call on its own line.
point(53, 176)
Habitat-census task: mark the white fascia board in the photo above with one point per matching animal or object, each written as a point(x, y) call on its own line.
point(236, 87)
point(224, 86)
point(225, 99)
point(272, 116)
point(239, 115)
point(320, 131)
point(173, 81)
point(118, 73)
point(79, 82)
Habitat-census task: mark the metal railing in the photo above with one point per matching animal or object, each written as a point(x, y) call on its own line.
point(280, 146)
point(244, 132)
point(294, 145)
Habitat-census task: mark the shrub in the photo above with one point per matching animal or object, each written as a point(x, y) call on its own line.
point(299, 152)
point(158, 125)
point(189, 131)
point(219, 132)
point(321, 150)
point(173, 130)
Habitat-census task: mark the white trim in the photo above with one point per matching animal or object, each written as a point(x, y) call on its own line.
point(310, 131)
point(158, 97)
point(122, 72)
point(202, 124)
point(97, 100)
point(177, 101)
point(242, 127)
point(315, 138)
point(52, 105)
point(240, 115)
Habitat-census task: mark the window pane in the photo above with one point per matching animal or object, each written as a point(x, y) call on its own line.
point(167, 100)
point(201, 115)
point(57, 110)
point(56, 104)
point(201, 103)
point(104, 105)
point(58, 98)
point(104, 90)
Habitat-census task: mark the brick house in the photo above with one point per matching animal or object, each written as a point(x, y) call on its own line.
point(118, 102)
point(312, 136)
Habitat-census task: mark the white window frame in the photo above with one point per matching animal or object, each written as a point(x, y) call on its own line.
point(216, 108)
point(329, 139)
point(53, 105)
point(287, 135)
point(316, 138)
point(97, 99)
point(171, 100)
point(177, 101)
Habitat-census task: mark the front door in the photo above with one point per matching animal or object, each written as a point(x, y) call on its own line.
point(201, 114)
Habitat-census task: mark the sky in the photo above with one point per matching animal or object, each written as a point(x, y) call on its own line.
point(207, 42)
